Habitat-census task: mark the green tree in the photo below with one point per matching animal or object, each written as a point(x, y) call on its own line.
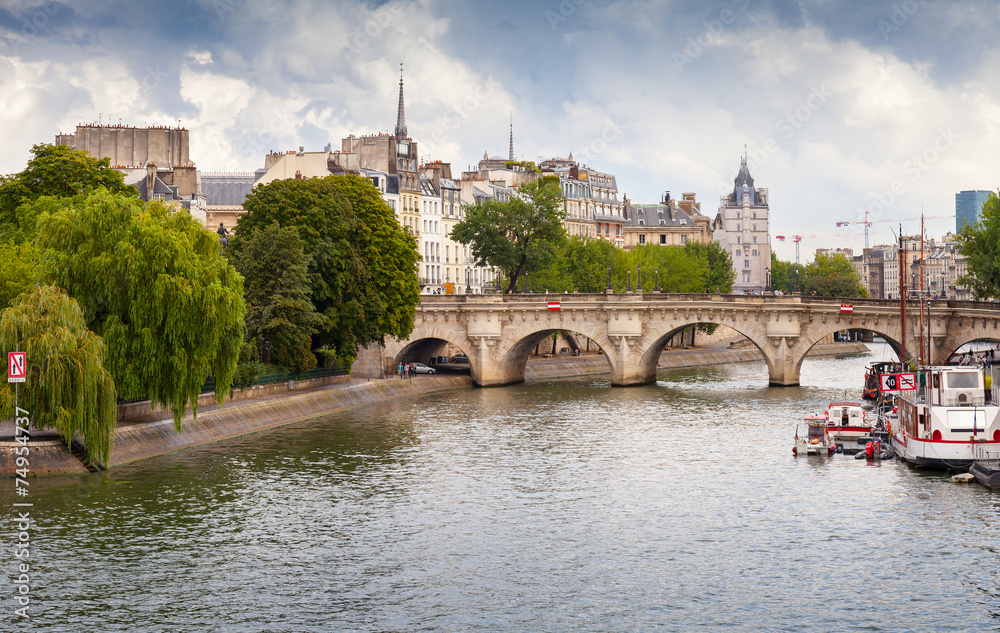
point(20, 270)
point(154, 286)
point(501, 234)
point(980, 244)
point(276, 286)
point(586, 262)
point(67, 386)
point(676, 268)
point(721, 274)
point(832, 275)
point(362, 263)
point(54, 170)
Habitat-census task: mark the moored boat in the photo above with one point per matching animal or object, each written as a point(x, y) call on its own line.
point(873, 378)
point(946, 418)
point(846, 422)
point(816, 439)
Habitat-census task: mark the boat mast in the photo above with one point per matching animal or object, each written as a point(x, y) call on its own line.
point(921, 296)
point(902, 299)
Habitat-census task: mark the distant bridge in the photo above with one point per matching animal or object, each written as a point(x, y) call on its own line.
point(498, 332)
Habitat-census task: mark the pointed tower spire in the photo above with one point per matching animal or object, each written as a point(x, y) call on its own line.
point(511, 156)
point(400, 115)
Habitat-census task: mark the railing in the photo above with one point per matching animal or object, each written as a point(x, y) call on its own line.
point(990, 459)
point(285, 376)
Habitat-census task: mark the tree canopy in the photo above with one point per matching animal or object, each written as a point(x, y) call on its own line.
point(54, 170)
point(362, 263)
point(980, 244)
point(832, 275)
point(67, 388)
point(280, 315)
point(503, 233)
point(153, 284)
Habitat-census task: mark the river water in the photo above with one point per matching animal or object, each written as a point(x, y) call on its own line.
point(558, 506)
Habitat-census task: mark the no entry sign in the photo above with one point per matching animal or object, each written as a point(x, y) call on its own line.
point(17, 366)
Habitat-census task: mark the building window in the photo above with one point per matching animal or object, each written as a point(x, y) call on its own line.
point(663, 238)
point(684, 239)
point(746, 263)
point(737, 239)
point(737, 215)
point(754, 239)
point(739, 253)
point(642, 239)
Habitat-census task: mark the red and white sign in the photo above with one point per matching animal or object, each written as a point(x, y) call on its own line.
point(899, 382)
point(17, 366)
point(907, 382)
point(554, 305)
point(889, 382)
point(846, 308)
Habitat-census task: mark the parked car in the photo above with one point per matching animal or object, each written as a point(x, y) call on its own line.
point(420, 368)
point(460, 358)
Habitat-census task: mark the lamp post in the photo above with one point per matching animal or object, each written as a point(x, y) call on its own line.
point(628, 288)
point(656, 286)
point(610, 290)
point(468, 274)
point(638, 278)
point(767, 271)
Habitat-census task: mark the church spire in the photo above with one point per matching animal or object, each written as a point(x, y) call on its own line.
point(511, 156)
point(400, 115)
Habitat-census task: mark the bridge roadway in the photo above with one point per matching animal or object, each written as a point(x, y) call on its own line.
point(498, 332)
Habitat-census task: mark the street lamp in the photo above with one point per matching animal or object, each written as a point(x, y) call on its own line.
point(628, 288)
point(656, 286)
point(468, 274)
point(767, 271)
point(638, 278)
point(609, 280)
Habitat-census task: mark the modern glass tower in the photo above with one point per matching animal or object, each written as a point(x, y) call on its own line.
point(968, 207)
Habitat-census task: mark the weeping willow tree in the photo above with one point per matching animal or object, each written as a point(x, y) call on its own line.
point(153, 284)
point(67, 388)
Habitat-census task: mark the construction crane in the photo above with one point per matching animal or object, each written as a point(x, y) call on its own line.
point(867, 223)
point(796, 239)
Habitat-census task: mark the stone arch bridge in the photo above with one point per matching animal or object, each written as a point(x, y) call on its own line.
point(498, 332)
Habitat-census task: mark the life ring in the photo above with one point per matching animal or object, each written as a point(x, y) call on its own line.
point(814, 440)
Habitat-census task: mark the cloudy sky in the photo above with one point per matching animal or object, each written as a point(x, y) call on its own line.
point(841, 105)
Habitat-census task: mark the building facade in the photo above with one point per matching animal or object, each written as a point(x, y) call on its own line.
point(742, 228)
point(669, 223)
point(969, 207)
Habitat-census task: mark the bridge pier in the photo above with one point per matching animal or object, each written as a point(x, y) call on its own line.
point(783, 365)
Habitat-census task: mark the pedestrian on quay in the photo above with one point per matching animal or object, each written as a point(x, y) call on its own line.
point(399, 370)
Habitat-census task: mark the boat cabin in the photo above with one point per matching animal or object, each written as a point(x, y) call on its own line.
point(846, 414)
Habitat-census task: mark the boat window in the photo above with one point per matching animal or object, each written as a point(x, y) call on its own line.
point(963, 380)
point(815, 431)
point(937, 381)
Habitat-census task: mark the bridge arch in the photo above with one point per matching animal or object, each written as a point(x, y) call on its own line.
point(658, 337)
point(517, 343)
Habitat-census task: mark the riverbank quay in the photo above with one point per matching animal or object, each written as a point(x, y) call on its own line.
point(154, 433)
